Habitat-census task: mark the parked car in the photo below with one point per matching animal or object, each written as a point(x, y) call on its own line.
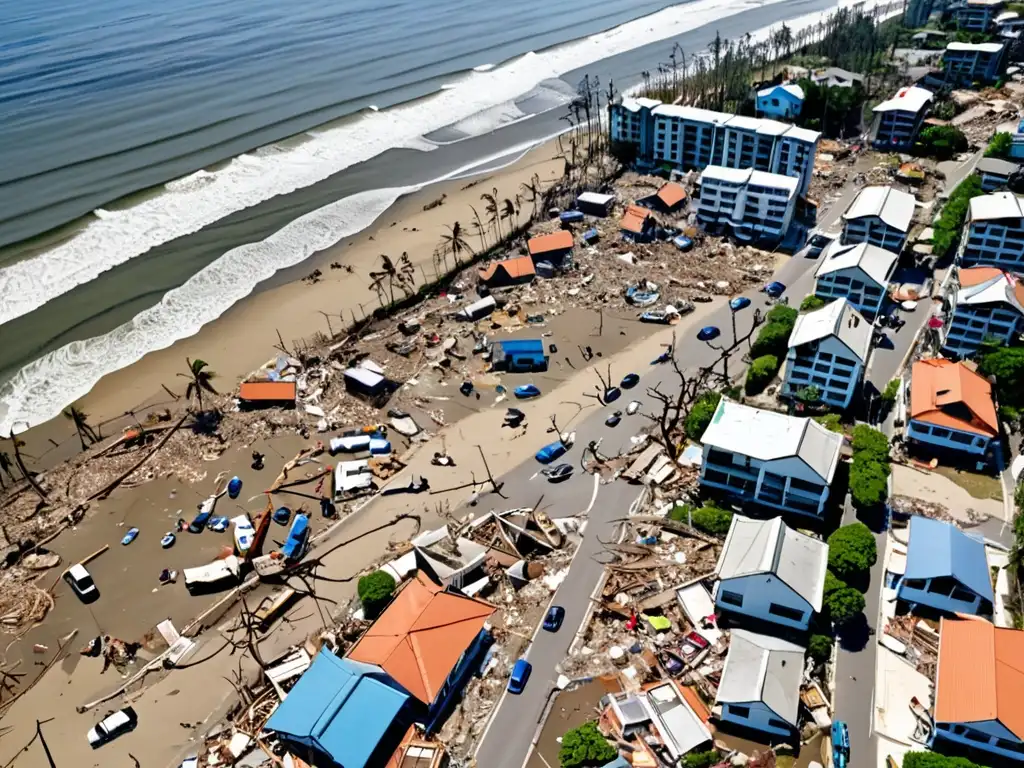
point(840, 744)
point(614, 419)
point(81, 583)
point(816, 243)
point(520, 675)
point(551, 451)
point(775, 289)
point(554, 618)
point(112, 726)
point(526, 391)
point(557, 473)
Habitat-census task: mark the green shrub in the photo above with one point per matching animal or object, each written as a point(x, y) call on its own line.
point(712, 519)
point(820, 648)
point(1007, 365)
point(782, 313)
point(760, 374)
point(844, 604)
point(832, 583)
point(870, 443)
point(811, 303)
point(954, 213)
point(851, 550)
point(772, 339)
point(700, 414)
point(375, 590)
point(890, 392)
point(584, 747)
point(808, 395)
point(941, 141)
point(869, 482)
point(830, 421)
point(999, 145)
point(933, 760)
point(702, 759)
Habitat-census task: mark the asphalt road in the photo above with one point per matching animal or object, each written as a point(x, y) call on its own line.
point(503, 744)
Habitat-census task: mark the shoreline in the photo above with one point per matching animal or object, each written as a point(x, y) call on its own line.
point(291, 306)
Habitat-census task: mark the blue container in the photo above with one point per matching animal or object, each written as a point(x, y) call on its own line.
point(234, 487)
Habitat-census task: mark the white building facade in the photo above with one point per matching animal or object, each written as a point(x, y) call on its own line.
point(754, 206)
point(859, 273)
point(879, 216)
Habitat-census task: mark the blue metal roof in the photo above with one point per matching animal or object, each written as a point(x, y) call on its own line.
point(519, 346)
point(938, 549)
point(340, 706)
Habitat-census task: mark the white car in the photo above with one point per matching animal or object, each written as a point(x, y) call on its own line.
point(81, 582)
point(112, 726)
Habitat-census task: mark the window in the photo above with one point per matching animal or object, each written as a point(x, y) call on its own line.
point(974, 735)
point(785, 612)
point(963, 595)
point(731, 598)
point(1013, 746)
point(780, 724)
point(913, 583)
point(736, 711)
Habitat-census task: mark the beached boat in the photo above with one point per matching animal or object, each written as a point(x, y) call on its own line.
point(295, 546)
point(629, 381)
point(199, 522)
point(218, 524)
point(663, 316)
point(168, 540)
point(643, 295)
point(218, 574)
point(129, 537)
point(244, 533)
point(548, 528)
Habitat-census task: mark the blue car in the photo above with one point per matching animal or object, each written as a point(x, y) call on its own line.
point(550, 452)
point(520, 674)
point(198, 524)
point(775, 289)
point(840, 744)
point(526, 391)
point(683, 243)
point(553, 620)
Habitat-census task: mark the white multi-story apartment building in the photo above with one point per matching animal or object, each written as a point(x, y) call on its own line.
point(753, 205)
point(880, 216)
point(994, 235)
point(688, 137)
point(828, 350)
point(859, 273)
point(896, 121)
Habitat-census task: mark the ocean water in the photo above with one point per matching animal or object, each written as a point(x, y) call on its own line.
point(160, 161)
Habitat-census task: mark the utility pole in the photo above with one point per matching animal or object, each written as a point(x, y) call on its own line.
point(46, 749)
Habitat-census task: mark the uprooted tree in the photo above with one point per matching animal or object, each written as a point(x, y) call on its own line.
point(692, 394)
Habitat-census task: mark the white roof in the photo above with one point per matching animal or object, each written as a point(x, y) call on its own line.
point(750, 176)
point(1006, 16)
point(679, 726)
point(894, 207)
point(740, 122)
point(78, 572)
point(1001, 205)
point(767, 435)
point(838, 319)
point(364, 376)
point(981, 47)
point(790, 88)
point(912, 99)
point(998, 288)
point(770, 546)
point(765, 669)
point(596, 198)
point(634, 105)
point(877, 263)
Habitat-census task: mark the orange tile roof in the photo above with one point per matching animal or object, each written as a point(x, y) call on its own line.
point(421, 635)
point(556, 241)
point(267, 391)
point(937, 384)
point(671, 194)
point(980, 674)
point(633, 219)
point(978, 275)
point(514, 269)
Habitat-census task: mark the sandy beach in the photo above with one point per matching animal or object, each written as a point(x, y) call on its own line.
point(243, 338)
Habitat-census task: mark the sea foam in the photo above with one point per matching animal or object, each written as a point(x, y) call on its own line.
point(187, 205)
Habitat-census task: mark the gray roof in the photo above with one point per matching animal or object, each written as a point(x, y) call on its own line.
point(770, 546)
point(838, 319)
point(997, 166)
point(765, 669)
point(840, 74)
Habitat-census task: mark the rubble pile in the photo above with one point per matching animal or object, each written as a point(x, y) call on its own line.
point(906, 506)
point(917, 640)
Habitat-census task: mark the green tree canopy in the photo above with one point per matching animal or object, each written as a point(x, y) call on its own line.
point(712, 519)
point(934, 760)
point(585, 747)
point(851, 550)
point(844, 604)
point(700, 414)
point(811, 302)
point(1007, 365)
point(760, 374)
point(999, 145)
point(375, 589)
point(951, 220)
point(820, 648)
point(870, 443)
point(941, 141)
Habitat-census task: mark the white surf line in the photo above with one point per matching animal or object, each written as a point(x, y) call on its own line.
point(189, 204)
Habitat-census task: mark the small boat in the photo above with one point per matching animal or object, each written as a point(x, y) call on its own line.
point(614, 419)
point(244, 533)
point(548, 528)
point(205, 513)
point(665, 316)
point(168, 540)
point(526, 391)
point(640, 297)
point(633, 407)
point(218, 524)
point(129, 537)
point(404, 348)
point(629, 381)
point(234, 487)
point(298, 539)
point(282, 515)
